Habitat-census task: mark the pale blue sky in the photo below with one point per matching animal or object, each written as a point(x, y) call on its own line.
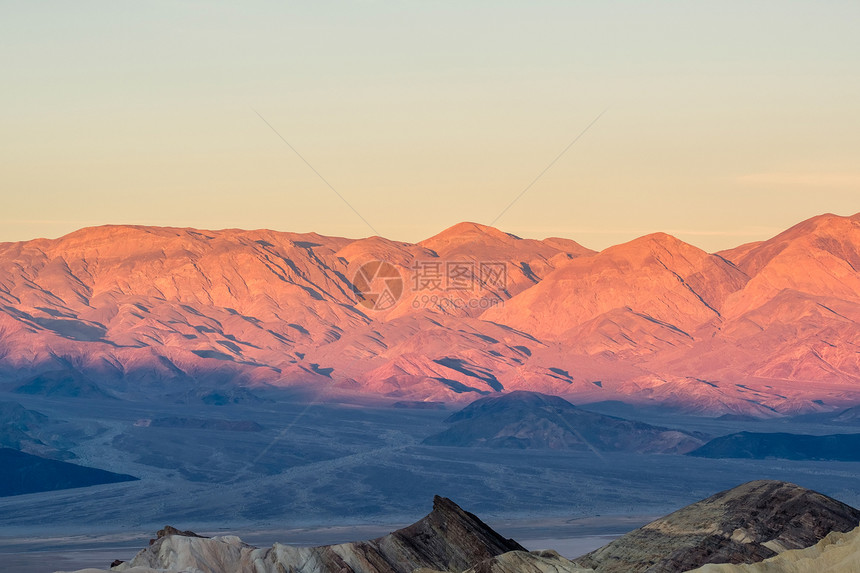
point(726, 121)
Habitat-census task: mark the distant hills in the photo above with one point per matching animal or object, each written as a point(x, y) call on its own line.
point(19, 427)
point(35, 433)
point(752, 445)
point(532, 420)
point(66, 383)
point(763, 329)
point(22, 473)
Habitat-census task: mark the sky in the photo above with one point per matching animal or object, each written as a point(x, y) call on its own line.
point(718, 122)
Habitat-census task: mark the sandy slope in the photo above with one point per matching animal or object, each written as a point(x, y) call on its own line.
point(836, 553)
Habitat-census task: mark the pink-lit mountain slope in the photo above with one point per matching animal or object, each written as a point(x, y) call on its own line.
point(764, 328)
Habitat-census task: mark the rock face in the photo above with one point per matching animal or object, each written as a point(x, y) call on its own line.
point(836, 553)
point(763, 329)
point(758, 446)
point(182, 552)
point(448, 539)
point(533, 420)
point(749, 523)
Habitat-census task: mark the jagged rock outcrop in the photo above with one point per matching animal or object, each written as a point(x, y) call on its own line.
point(170, 530)
point(447, 539)
point(746, 524)
point(180, 552)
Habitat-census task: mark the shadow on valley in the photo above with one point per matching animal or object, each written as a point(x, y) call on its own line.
point(25, 473)
point(212, 454)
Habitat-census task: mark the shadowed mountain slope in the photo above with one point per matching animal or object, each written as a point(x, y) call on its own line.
point(759, 446)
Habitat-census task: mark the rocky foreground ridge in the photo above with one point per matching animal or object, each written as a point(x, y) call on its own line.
point(836, 553)
point(745, 525)
point(763, 329)
point(448, 539)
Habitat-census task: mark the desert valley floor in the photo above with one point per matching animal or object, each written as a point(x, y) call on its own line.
point(279, 469)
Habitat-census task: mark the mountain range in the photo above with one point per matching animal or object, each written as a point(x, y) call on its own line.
point(781, 445)
point(767, 328)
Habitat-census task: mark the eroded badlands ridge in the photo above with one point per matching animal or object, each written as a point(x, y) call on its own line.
point(447, 539)
point(747, 524)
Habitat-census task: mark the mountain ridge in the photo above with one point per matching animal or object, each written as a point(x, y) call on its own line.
point(770, 326)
